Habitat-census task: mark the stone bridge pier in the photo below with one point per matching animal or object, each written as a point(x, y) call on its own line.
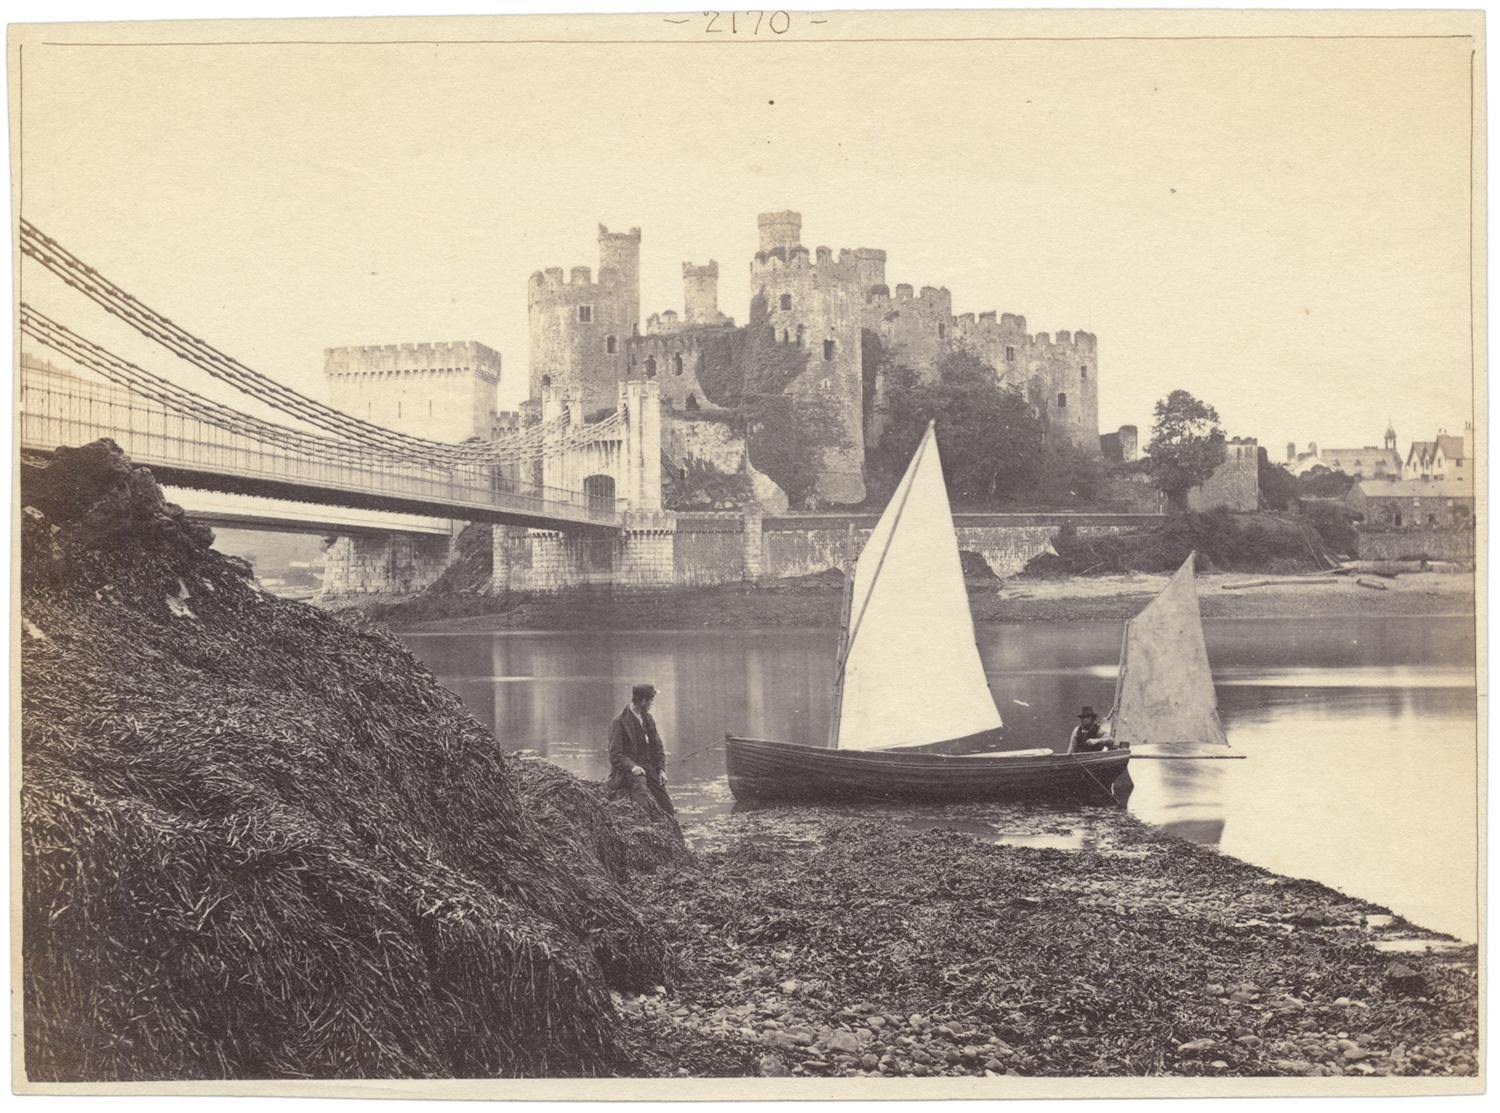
point(626, 469)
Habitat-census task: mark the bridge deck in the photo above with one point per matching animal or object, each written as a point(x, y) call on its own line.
point(186, 451)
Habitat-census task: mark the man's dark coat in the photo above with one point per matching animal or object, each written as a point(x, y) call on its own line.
point(634, 741)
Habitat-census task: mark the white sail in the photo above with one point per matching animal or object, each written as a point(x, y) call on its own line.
point(911, 671)
point(1165, 692)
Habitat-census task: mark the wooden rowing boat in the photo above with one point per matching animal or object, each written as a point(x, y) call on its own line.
point(913, 716)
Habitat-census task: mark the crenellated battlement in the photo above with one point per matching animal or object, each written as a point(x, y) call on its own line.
point(554, 279)
point(437, 357)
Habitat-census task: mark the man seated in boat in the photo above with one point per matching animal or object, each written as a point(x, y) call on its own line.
point(1090, 735)
point(637, 759)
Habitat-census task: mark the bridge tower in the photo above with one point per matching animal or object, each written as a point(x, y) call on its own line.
point(625, 470)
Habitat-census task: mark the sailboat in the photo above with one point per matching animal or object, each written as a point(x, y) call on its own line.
point(913, 716)
point(1165, 704)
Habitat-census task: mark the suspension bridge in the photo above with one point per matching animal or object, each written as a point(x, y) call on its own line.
point(560, 474)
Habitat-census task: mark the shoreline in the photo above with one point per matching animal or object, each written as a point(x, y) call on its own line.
point(814, 601)
point(798, 937)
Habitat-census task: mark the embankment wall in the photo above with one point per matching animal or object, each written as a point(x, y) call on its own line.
point(1402, 544)
point(801, 545)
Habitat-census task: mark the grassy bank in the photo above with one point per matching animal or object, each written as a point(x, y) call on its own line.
point(815, 601)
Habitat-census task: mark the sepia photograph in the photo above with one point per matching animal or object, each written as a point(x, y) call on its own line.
point(763, 554)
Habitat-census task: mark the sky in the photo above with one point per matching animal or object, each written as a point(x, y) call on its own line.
point(1279, 226)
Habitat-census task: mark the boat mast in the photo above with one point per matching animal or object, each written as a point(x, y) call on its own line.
point(838, 683)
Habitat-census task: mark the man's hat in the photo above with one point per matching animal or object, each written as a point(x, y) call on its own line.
point(642, 692)
point(1087, 712)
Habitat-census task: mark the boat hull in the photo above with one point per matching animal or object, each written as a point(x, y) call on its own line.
point(761, 769)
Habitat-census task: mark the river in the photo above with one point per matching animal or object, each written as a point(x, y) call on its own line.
point(1359, 733)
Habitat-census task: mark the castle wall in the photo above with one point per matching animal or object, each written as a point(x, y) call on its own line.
point(1235, 483)
point(441, 391)
point(678, 357)
point(916, 328)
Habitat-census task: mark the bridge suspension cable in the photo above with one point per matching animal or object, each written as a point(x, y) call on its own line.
point(154, 388)
point(528, 444)
point(536, 442)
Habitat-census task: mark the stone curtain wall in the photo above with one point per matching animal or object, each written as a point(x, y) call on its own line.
point(1433, 544)
point(710, 549)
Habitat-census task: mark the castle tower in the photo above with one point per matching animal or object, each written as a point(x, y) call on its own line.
point(580, 328)
point(868, 264)
point(441, 392)
point(700, 294)
point(779, 230)
point(812, 305)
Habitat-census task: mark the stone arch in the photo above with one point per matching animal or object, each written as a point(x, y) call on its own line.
point(677, 364)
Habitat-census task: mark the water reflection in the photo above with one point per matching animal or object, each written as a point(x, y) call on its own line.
point(1359, 733)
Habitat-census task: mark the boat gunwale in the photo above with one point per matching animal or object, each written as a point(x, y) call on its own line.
point(876, 759)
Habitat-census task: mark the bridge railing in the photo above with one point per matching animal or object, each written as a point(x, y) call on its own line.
point(59, 409)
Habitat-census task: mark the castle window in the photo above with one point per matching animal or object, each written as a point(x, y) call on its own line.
point(546, 380)
point(609, 344)
point(786, 301)
point(632, 361)
point(398, 409)
point(691, 403)
point(828, 349)
point(1083, 370)
point(585, 313)
point(677, 364)
point(650, 367)
point(1010, 354)
point(786, 336)
point(800, 341)
point(942, 332)
point(429, 407)
point(773, 334)
point(1062, 401)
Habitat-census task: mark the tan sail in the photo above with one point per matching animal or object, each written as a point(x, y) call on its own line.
point(911, 671)
point(1165, 692)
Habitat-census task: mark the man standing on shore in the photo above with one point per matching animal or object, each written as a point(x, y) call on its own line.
point(637, 759)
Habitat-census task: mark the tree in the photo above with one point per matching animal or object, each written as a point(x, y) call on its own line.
point(1278, 487)
point(1187, 444)
point(1320, 482)
point(990, 439)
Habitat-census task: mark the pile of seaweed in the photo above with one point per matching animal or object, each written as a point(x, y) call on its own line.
point(258, 842)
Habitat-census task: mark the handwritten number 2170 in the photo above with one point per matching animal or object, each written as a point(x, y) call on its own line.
point(778, 23)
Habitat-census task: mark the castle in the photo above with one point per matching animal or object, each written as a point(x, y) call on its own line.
point(835, 316)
